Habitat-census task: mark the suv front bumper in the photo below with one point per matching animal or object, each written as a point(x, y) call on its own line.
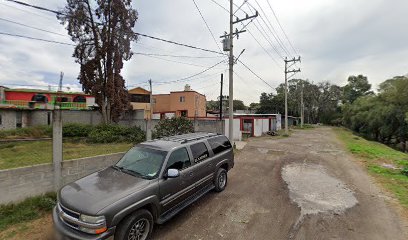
point(66, 232)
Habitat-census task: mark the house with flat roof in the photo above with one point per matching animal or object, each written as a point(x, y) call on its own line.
point(140, 100)
point(187, 103)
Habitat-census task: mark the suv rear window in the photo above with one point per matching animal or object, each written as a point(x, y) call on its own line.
point(200, 151)
point(219, 144)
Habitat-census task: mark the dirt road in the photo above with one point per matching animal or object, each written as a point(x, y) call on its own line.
point(302, 187)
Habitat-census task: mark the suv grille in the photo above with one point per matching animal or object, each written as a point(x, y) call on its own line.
point(69, 213)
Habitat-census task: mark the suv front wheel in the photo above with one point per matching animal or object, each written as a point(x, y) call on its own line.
point(138, 226)
point(220, 180)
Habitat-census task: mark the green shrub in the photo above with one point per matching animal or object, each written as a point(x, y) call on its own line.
point(27, 132)
point(404, 171)
point(173, 126)
point(76, 130)
point(115, 133)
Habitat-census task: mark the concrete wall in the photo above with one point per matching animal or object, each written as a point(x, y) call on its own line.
point(8, 119)
point(214, 126)
point(20, 183)
point(237, 134)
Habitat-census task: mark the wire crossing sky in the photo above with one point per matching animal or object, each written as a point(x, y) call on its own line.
point(335, 39)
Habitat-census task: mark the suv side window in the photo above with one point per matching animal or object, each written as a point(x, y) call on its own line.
point(219, 144)
point(200, 151)
point(179, 159)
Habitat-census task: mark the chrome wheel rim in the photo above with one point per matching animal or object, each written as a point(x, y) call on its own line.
point(139, 230)
point(222, 180)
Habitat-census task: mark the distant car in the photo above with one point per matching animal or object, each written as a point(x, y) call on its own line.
point(150, 184)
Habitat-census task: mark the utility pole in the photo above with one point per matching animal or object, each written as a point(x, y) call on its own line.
point(294, 71)
point(149, 119)
point(60, 82)
point(302, 107)
point(222, 78)
point(229, 46)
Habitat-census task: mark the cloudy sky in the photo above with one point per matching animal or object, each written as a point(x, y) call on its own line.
point(334, 38)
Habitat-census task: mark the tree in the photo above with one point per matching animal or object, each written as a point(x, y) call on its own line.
point(102, 31)
point(356, 87)
point(239, 105)
point(173, 126)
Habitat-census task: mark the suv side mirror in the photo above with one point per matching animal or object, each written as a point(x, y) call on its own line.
point(172, 173)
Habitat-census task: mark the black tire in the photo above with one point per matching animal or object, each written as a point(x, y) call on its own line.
point(221, 180)
point(128, 225)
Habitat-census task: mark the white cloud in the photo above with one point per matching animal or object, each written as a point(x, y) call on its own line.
point(335, 38)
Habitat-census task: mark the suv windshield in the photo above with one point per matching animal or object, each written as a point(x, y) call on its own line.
point(142, 162)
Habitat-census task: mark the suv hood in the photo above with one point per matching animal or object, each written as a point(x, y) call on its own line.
point(94, 192)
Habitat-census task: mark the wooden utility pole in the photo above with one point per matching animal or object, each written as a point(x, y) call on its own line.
point(149, 120)
point(294, 71)
point(222, 78)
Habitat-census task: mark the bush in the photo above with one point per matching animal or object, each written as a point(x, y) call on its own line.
point(405, 171)
point(76, 130)
point(173, 126)
point(108, 133)
point(27, 132)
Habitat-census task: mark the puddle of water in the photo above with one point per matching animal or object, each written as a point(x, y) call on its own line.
point(314, 191)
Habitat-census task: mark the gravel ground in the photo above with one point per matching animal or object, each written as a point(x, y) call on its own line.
point(301, 187)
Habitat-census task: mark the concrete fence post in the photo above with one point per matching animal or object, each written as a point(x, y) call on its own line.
point(57, 147)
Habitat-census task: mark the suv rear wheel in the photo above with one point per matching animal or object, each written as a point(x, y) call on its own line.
point(138, 226)
point(220, 180)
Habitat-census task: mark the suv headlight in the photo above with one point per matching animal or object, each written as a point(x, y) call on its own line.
point(97, 224)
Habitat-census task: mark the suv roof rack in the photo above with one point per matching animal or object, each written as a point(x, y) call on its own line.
point(184, 138)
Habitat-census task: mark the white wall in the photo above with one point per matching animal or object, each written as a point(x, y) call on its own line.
point(265, 125)
point(278, 122)
point(257, 127)
point(169, 115)
point(156, 116)
point(237, 134)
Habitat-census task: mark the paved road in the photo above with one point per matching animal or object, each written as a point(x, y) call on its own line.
point(262, 201)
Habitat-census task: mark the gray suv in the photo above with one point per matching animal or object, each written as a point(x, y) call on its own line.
point(150, 184)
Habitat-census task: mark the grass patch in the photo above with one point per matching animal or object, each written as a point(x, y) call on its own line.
point(29, 209)
point(374, 154)
point(305, 127)
point(27, 132)
point(20, 154)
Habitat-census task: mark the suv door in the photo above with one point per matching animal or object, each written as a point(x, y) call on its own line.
point(222, 150)
point(203, 168)
point(175, 190)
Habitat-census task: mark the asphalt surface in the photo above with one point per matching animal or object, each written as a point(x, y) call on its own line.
point(323, 193)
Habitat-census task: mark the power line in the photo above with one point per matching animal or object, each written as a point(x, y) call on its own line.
point(206, 24)
point(33, 13)
point(273, 31)
point(180, 44)
point(194, 75)
point(38, 39)
point(175, 56)
point(254, 73)
point(34, 6)
point(168, 60)
point(28, 26)
point(277, 20)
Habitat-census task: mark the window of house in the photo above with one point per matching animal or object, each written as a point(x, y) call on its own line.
point(1, 121)
point(219, 144)
point(80, 99)
point(19, 119)
point(179, 159)
point(182, 99)
point(39, 98)
point(183, 113)
point(140, 98)
point(200, 152)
